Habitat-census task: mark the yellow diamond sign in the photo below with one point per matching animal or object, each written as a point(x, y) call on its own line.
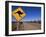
point(18, 14)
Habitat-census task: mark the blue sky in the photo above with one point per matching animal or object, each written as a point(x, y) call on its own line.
point(32, 13)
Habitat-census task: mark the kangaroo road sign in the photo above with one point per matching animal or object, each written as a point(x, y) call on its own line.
point(18, 14)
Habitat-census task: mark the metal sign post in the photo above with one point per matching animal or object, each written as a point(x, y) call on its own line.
point(17, 26)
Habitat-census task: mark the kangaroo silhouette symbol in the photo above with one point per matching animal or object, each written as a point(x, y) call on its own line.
point(20, 13)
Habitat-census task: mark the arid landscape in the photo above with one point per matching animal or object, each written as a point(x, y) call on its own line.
point(26, 26)
point(29, 18)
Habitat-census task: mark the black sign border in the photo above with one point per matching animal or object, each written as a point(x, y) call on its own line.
point(7, 16)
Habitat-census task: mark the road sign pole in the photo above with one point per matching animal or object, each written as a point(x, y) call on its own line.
point(17, 25)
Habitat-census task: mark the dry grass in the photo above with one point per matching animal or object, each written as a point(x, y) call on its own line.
point(27, 26)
